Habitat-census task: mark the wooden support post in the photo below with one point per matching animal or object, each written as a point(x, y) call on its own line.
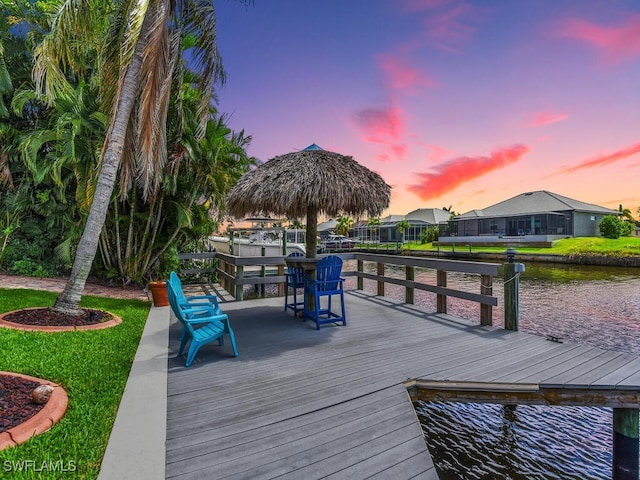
point(360, 279)
point(238, 287)
point(380, 282)
point(511, 287)
point(263, 273)
point(625, 444)
point(441, 300)
point(410, 274)
point(281, 284)
point(231, 284)
point(222, 266)
point(486, 311)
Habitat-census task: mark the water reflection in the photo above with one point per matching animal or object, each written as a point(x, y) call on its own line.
point(473, 441)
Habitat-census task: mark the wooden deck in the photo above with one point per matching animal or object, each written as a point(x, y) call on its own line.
point(305, 404)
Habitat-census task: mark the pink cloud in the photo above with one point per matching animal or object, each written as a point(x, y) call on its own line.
point(457, 171)
point(383, 126)
point(397, 151)
point(435, 153)
point(401, 75)
point(546, 118)
point(380, 125)
point(616, 43)
point(604, 159)
point(448, 30)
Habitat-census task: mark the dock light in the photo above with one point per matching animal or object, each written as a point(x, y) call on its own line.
point(511, 254)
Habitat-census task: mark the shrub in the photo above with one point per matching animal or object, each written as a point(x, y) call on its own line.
point(429, 235)
point(611, 227)
point(627, 228)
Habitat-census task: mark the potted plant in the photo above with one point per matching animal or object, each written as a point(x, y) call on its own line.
point(158, 275)
point(158, 289)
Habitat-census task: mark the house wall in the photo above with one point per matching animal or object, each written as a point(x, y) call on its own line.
point(585, 224)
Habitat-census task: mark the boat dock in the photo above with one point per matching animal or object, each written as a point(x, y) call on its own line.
point(336, 403)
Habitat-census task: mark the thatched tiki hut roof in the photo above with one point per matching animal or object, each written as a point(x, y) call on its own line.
point(308, 183)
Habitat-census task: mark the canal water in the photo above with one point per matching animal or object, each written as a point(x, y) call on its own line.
point(598, 306)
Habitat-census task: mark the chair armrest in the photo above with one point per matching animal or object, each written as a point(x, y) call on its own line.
point(203, 306)
point(201, 311)
point(211, 298)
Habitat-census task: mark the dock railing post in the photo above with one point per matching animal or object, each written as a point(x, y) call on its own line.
point(486, 311)
point(239, 287)
point(625, 444)
point(381, 282)
point(410, 274)
point(280, 284)
point(511, 290)
point(360, 279)
point(263, 273)
point(441, 300)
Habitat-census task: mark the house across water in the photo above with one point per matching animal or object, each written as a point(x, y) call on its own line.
point(539, 216)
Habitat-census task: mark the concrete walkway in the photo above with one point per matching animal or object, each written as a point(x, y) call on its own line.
point(136, 448)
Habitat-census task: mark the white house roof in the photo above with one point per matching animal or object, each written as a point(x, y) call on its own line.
point(540, 201)
point(432, 216)
point(327, 226)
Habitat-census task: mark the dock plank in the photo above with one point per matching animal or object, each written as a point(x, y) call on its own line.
point(303, 403)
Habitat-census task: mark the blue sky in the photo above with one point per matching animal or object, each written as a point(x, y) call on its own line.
point(462, 103)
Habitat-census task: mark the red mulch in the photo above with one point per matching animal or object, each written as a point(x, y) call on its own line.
point(16, 405)
point(49, 317)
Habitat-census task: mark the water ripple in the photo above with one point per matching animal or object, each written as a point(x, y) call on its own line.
point(489, 441)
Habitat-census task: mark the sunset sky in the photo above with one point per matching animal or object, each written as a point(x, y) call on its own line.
point(454, 103)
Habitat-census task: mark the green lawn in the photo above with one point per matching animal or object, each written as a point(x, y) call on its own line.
point(92, 366)
point(625, 246)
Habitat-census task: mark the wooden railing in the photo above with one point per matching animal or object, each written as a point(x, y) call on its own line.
point(486, 272)
point(235, 272)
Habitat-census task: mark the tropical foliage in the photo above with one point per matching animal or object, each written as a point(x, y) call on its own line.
point(402, 227)
point(343, 226)
point(613, 227)
point(178, 157)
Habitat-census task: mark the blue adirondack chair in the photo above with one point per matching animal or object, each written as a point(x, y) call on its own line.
point(294, 280)
point(328, 283)
point(201, 325)
point(193, 301)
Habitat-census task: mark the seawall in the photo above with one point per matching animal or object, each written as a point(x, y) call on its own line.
point(601, 260)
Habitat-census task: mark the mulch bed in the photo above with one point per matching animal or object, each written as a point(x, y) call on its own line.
point(16, 404)
point(49, 317)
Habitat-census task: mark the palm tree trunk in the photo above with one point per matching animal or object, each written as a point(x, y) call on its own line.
point(69, 300)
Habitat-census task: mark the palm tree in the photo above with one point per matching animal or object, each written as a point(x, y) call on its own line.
point(452, 213)
point(402, 227)
point(343, 226)
point(374, 224)
point(626, 213)
point(142, 56)
point(295, 224)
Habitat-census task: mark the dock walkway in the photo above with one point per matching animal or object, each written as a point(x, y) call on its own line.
point(305, 404)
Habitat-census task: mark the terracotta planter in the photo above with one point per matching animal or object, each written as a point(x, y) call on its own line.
point(159, 293)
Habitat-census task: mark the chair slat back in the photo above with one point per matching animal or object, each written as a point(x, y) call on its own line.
point(296, 273)
point(175, 306)
point(328, 271)
point(175, 282)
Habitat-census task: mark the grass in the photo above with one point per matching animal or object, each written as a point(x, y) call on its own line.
point(620, 247)
point(92, 366)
